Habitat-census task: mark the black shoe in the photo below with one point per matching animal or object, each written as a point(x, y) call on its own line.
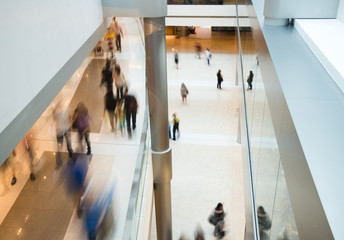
point(89, 152)
point(14, 181)
point(70, 153)
point(32, 177)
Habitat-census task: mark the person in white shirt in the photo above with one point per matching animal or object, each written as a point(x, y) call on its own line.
point(120, 82)
point(62, 118)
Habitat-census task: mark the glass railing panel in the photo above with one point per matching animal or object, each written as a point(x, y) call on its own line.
point(251, 224)
point(131, 228)
point(136, 195)
point(283, 222)
point(269, 188)
point(140, 192)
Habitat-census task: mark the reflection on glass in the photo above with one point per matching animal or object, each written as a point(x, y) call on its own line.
point(274, 212)
point(139, 197)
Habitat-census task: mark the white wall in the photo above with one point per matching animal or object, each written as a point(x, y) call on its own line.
point(300, 8)
point(340, 13)
point(37, 39)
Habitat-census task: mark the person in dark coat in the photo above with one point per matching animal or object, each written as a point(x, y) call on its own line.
point(130, 108)
point(81, 120)
point(219, 79)
point(110, 105)
point(250, 80)
point(264, 221)
point(217, 219)
point(107, 79)
point(176, 58)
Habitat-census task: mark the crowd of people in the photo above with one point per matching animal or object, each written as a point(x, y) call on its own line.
point(121, 107)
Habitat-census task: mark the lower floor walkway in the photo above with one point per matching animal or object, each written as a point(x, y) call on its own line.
point(206, 159)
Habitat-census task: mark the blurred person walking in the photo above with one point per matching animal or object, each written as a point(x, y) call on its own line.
point(11, 165)
point(32, 156)
point(130, 107)
point(184, 92)
point(62, 120)
point(199, 235)
point(110, 37)
point(182, 237)
point(109, 106)
point(119, 81)
point(112, 25)
point(264, 221)
point(219, 79)
point(250, 80)
point(81, 121)
point(175, 128)
point(176, 58)
point(169, 130)
point(198, 48)
point(216, 218)
point(98, 49)
point(107, 79)
point(208, 56)
point(120, 115)
point(119, 34)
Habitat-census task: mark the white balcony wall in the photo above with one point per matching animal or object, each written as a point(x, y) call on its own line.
point(300, 8)
point(37, 39)
point(340, 13)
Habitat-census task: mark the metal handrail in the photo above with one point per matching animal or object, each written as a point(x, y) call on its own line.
point(136, 180)
point(134, 192)
point(253, 201)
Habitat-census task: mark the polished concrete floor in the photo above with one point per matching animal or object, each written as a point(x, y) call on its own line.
point(206, 157)
point(43, 208)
